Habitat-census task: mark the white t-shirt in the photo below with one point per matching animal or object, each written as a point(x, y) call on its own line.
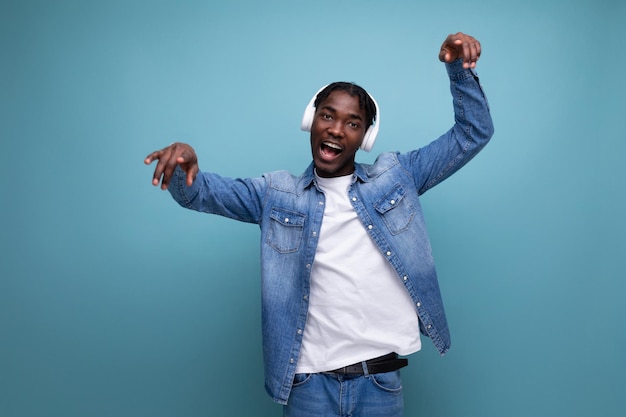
point(358, 307)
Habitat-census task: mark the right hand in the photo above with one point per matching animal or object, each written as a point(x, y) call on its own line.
point(175, 154)
point(460, 46)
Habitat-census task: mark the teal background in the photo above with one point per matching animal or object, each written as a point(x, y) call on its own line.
point(116, 302)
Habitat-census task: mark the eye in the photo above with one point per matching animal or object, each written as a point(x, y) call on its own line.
point(354, 125)
point(326, 116)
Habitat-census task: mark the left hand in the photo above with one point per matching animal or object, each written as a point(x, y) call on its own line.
point(168, 157)
point(460, 46)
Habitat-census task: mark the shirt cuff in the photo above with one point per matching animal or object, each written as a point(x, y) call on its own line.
point(456, 72)
point(178, 183)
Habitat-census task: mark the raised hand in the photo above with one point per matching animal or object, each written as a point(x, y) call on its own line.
point(460, 46)
point(175, 154)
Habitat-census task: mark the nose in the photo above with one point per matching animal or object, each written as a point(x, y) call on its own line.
point(336, 129)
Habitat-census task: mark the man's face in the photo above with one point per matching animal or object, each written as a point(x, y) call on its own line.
point(337, 132)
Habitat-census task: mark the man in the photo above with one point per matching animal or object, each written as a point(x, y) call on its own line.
point(348, 279)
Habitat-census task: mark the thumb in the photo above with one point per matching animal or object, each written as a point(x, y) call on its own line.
point(192, 173)
point(445, 55)
point(449, 50)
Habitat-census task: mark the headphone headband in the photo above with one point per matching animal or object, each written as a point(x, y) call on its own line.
point(370, 134)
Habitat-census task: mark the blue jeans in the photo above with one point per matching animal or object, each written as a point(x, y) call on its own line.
point(326, 394)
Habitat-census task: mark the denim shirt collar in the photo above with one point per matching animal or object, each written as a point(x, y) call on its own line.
point(308, 176)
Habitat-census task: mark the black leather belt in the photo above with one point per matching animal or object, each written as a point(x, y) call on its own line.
point(386, 363)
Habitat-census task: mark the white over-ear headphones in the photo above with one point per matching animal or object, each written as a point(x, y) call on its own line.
point(370, 134)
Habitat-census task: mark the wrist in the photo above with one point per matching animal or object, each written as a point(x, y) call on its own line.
point(457, 72)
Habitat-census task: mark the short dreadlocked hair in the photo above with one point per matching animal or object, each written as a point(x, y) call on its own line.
point(365, 101)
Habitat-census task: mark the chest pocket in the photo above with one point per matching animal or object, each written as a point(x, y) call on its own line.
point(285, 230)
point(396, 211)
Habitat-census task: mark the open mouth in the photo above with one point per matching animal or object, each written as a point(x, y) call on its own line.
point(330, 149)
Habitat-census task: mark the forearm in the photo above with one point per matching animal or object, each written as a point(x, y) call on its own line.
point(472, 130)
point(237, 199)
point(473, 123)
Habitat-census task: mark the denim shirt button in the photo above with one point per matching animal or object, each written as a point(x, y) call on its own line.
point(308, 266)
point(291, 360)
point(405, 278)
point(419, 304)
point(353, 198)
point(299, 331)
point(393, 202)
point(388, 253)
point(370, 227)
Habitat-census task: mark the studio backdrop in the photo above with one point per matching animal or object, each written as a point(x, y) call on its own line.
point(114, 301)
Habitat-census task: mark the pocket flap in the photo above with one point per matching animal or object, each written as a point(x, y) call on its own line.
point(390, 200)
point(287, 217)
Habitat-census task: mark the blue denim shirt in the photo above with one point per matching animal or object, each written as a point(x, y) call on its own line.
point(385, 195)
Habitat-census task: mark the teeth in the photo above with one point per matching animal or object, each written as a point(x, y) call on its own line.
point(332, 145)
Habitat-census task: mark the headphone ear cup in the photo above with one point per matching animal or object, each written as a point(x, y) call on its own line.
point(307, 119)
point(367, 142)
point(370, 137)
point(309, 112)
